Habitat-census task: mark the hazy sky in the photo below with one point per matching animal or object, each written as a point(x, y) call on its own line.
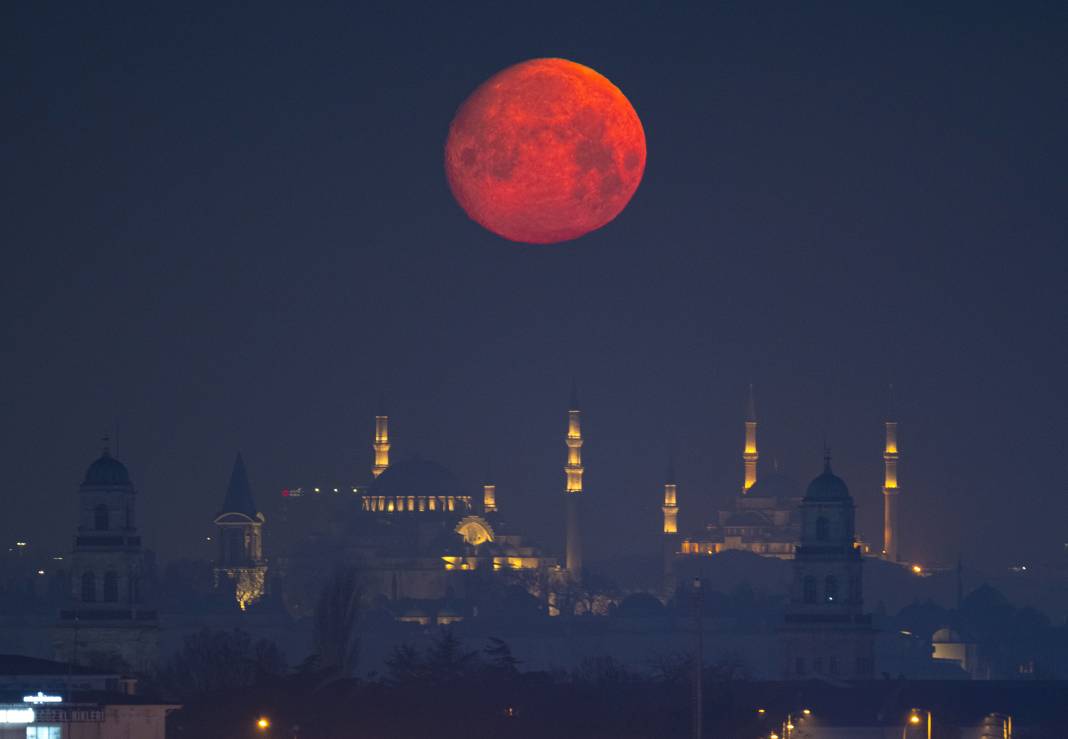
point(227, 227)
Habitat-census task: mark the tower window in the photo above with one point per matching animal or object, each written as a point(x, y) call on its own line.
point(832, 665)
point(100, 517)
point(830, 588)
point(809, 589)
point(88, 587)
point(822, 529)
point(111, 587)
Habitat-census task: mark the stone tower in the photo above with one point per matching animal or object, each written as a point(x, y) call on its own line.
point(573, 491)
point(240, 567)
point(891, 524)
point(825, 632)
point(381, 444)
point(749, 454)
point(106, 616)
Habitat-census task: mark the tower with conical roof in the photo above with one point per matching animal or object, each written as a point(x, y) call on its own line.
point(749, 453)
point(825, 632)
point(671, 528)
point(381, 444)
point(106, 614)
point(240, 567)
point(891, 524)
point(573, 486)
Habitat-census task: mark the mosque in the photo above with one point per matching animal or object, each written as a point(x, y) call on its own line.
point(765, 516)
point(415, 534)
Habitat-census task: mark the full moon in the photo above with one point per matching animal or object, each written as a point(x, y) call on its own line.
point(545, 151)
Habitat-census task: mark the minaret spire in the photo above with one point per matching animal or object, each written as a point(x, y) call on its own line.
point(671, 527)
point(749, 454)
point(573, 490)
point(381, 443)
point(891, 525)
point(489, 493)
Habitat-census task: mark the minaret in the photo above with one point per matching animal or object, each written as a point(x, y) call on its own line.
point(381, 445)
point(573, 470)
point(489, 498)
point(671, 529)
point(750, 455)
point(891, 526)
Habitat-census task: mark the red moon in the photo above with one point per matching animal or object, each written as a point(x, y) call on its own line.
point(545, 151)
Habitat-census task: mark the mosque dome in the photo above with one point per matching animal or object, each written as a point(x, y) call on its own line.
point(775, 485)
point(107, 471)
point(946, 635)
point(416, 477)
point(827, 486)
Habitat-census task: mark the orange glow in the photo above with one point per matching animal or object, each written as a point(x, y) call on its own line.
point(263, 723)
point(545, 151)
point(914, 718)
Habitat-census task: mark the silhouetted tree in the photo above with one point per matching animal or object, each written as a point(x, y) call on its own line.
point(214, 661)
point(500, 656)
point(336, 614)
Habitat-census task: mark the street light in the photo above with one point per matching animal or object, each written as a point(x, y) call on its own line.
point(263, 723)
point(915, 719)
point(788, 725)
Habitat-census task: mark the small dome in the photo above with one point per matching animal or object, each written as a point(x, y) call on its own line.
point(774, 485)
point(827, 486)
point(946, 636)
point(416, 477)
point(107, 471)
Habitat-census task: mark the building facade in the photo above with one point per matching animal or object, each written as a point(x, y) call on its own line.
point(826, 632)
point(106, 616)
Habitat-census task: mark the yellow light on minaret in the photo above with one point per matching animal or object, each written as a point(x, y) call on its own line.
point(489, 498)
point(573, 486)
point(671, 510)
point(750, 455)
point(381, 445)
point(891, 528)
point(574, 469)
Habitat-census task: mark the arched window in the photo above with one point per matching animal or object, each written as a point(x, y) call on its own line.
point(810, 589)
point(822, 529)
point(88, 587)
point(830, 588)
point(111, 587)
point(100, 517)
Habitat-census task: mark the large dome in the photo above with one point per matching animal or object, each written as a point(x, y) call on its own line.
point(827, 486)
point(416, 477)
point(775, 485)
point(107, 471)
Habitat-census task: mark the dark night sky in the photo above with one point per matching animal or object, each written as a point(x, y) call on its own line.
point(229, 228)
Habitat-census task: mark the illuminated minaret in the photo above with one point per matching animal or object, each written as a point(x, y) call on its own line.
point(381, 445)
point(573, 470)
point(891, 526)
point(671, 529)
point(489, 497)
point(750, 455)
